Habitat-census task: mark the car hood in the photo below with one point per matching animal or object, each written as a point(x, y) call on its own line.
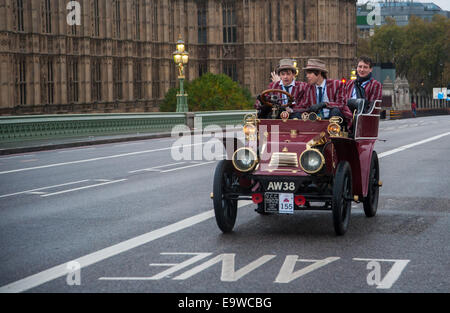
point(282, 143)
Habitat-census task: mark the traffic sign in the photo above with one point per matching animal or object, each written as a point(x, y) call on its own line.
point(440, 93)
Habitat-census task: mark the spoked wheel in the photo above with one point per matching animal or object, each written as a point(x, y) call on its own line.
point(225, 209)
point(341, 203)
point(371, 201)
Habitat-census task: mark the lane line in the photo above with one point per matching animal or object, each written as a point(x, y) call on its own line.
point(188, 166)
point(155, 167)
point(97, 159)
point(82, 188)
point(42, 188)
point(402, 148)
point(95, 257)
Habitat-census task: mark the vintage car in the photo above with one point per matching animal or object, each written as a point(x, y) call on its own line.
point(307, 163)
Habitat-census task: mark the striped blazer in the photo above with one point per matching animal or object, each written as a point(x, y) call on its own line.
point(373, 90)
point(336, 98)
point(298, 92)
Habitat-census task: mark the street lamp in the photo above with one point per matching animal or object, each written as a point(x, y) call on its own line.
point(296, 68)
point(181, 58)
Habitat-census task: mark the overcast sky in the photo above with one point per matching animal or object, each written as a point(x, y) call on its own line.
point(444, 4)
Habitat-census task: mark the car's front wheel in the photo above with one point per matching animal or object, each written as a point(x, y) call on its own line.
point(225, 209)
point(341, 203)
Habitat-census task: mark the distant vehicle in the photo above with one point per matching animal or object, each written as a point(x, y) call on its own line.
point(319, 165)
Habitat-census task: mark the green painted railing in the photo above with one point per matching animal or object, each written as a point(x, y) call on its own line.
point(222, 119)
point(14, 128)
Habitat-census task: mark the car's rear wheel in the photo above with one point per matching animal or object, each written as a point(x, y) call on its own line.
point(341, 203)
point(370, 202)
point(225, 209)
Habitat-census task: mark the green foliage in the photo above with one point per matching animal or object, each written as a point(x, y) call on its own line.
point(419, 50)
point(210, 93)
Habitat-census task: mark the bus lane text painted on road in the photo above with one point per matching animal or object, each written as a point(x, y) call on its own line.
point(294, 267)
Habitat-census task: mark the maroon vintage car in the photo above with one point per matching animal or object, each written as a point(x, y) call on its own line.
point(307, 163)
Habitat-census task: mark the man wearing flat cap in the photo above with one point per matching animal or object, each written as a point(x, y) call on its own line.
point(325, 96)
point(286, 71)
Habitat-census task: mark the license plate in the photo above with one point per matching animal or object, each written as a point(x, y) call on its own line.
point(282, 203)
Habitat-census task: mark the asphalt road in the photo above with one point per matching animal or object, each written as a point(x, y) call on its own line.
point(135, 220)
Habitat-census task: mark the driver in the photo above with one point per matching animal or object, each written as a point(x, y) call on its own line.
point(287, 72)
point(325, 96)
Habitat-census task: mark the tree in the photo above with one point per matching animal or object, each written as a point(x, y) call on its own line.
point(211, 93)
point(387, 42)
point(363, 47)
point(419, 50)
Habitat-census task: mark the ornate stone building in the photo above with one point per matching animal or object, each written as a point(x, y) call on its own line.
point(119, 59)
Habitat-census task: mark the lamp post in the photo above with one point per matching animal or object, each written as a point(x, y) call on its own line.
point(295, 65)
point(181, 58)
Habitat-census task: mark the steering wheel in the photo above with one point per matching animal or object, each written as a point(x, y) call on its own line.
point(274, 98)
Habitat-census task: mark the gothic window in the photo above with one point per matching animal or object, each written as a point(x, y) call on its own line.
point(202, 68)
point(295, 21)
point(156, 78)
point(155, 22)
point(116, 19)
point(117, 78)
point(137, 19)
point(72, 80)
point(229, 22)
point(96, 79)
point(229, 68)
point(47, 16)
point(201, 22)
point(96, 19)
point(47, 81)
point(269, 22)
point(73, 29)
point(279, 37)
point(304, 19)
point(19, 13)
point(21, 81)
point(137, 71)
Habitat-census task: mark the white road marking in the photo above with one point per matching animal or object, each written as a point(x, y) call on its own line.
point(96, 159)
point(402, 148)
point(81, 188)
point(155, 167)
point(229, 273)
point(42, 188)
point(184, 167)
point(95, 257)
point(174, 267)
point(287, 273)
point(127, 144)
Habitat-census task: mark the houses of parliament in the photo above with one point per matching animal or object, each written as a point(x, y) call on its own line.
point(118, 56)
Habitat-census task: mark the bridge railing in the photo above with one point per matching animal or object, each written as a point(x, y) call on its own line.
point(15, 128)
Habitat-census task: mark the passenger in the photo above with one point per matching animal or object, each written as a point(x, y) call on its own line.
point(365, 86)
point(325, 96)
point(284, 79)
